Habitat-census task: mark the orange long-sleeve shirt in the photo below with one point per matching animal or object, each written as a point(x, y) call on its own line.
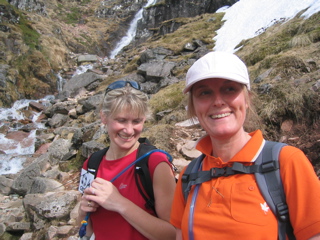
point(233, 207)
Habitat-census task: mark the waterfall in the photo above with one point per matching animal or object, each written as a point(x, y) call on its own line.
point(14, 152)
point(60, 82)
point(131, 31)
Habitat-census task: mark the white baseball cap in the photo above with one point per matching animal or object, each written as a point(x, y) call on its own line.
point(217, 65)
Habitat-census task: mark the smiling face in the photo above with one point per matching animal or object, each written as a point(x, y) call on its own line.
point(220, 106)
point(124, 128)
point(123, 112)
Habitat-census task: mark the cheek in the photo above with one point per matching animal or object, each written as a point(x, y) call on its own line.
point(112, 126)
point(200, 106)
point(139, 127)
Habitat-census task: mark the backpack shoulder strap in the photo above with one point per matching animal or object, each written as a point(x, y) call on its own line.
point(95, 160)
point(271, 188)
point(193, 167)
point(142, 173)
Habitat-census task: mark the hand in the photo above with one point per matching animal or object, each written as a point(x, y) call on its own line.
point(88, 205)
point(105, 194)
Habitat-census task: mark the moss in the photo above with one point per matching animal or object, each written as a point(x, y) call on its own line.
point(30, 36)
point(4, 2)
point(75, 163)
point(11, 236)
point(158, 4)
point(202, 28)
point(170, 97)
point(160, 135)
point(132, 65)
point(75, 13)
point(295, 33)
point(286, 101)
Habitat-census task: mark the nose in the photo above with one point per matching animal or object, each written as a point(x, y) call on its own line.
point(217, 100)
point(128, 129)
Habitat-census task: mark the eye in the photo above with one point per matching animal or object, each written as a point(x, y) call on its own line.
point(200, 92)
point(205, 92)
point(137, 121)
point(232, 88)
point(121, 120)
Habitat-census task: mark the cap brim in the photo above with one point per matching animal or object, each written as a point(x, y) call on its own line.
point(231, 77)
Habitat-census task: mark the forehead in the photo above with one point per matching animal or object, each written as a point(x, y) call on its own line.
point(127, 112)
point(213, 82)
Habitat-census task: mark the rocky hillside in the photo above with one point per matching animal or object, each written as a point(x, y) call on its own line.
point(41, 39)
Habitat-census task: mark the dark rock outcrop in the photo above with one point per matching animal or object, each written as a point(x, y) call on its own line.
point(169, 11)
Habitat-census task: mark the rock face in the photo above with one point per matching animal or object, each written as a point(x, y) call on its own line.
point(169, 11)
point(36, 6)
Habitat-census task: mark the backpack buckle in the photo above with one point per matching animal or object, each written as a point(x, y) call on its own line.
point(185, 178)
point(217, 172)
point(282, 212)
point(269, 166)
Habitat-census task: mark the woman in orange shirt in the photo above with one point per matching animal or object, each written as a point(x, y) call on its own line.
point(232, 207)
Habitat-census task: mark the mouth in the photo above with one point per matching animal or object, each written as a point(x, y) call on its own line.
point(126, 137)
point(217, 116)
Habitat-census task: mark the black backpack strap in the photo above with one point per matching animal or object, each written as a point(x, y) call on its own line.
point(187, 179)
point(266, 170)
point(271, 188)
point(192, 175)
point(95, 160)
point(142, 174)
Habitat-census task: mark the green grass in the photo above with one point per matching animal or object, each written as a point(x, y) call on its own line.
point(30, 36)
point(167, 98)
point(202, 28)
point(296, 33)
point(285, 101)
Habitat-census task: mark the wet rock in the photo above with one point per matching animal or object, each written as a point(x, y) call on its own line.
point(87, 58)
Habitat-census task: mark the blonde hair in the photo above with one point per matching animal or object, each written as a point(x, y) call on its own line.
point(126, 98)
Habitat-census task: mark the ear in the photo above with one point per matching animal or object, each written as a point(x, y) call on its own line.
point(103, 118)
point(247, 105)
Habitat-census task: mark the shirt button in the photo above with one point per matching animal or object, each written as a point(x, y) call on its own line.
point(251, 188)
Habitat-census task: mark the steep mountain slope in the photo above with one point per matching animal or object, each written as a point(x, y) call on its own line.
point(38, 39)
point(41, 39)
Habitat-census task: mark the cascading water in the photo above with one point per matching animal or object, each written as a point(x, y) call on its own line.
point(131, 31)
point(15, 151)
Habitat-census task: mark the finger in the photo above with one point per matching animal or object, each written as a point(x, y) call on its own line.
point(89, 203)
point(99, 180)
point(88, 191)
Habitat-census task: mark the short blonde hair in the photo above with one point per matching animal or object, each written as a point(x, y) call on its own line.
point(125, 98)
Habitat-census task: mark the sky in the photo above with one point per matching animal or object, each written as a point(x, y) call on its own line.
point(246, 18)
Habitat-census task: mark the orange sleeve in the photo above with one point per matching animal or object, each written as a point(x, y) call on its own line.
point(302, 189)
